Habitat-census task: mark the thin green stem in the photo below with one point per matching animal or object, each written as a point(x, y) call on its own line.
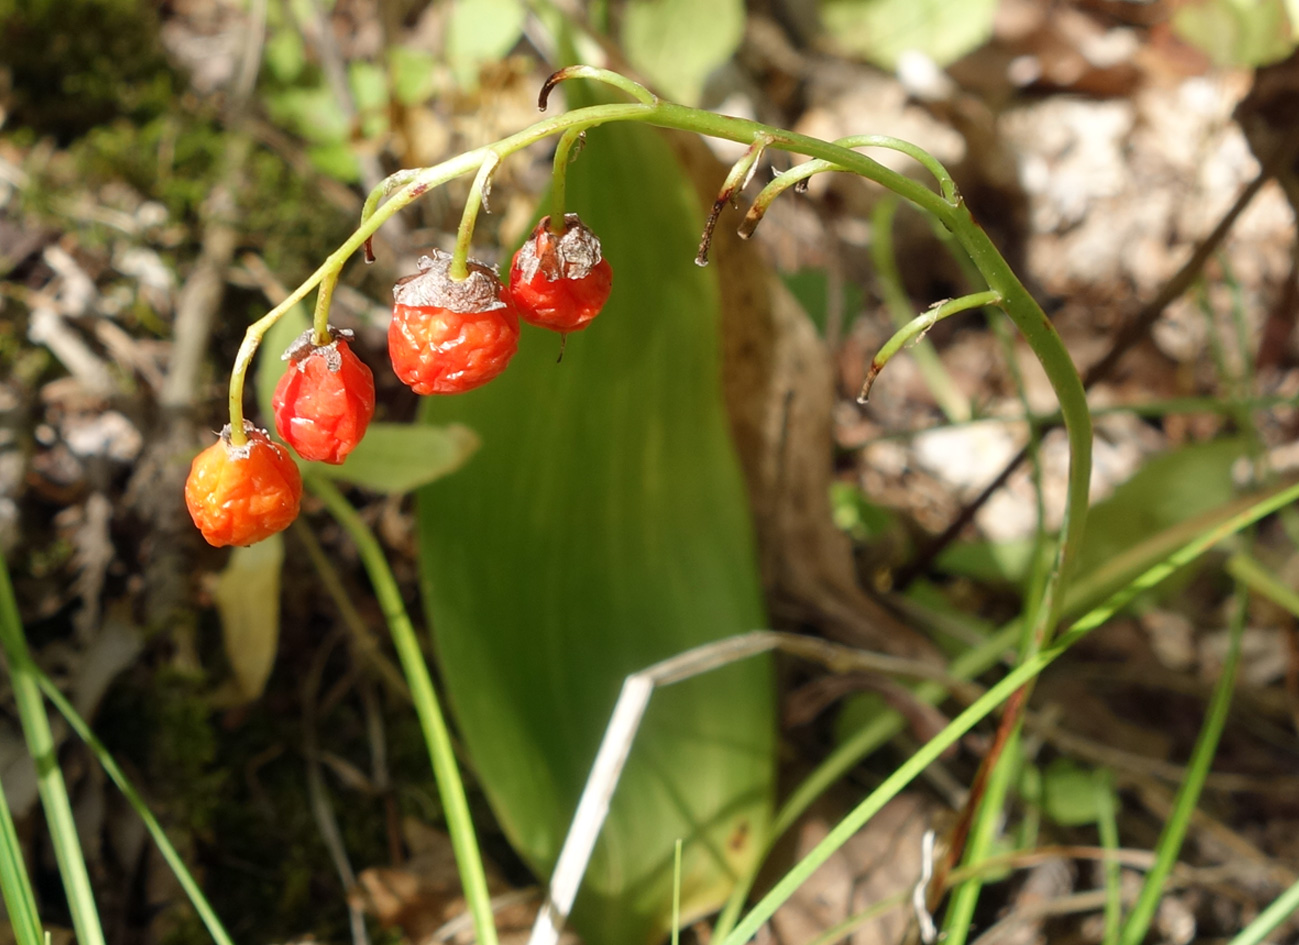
point(917, 327)
point(1108, 826)
point(559, 178)
point(960, 912)
point(20, 901)
point(1262, 582)
point(1281, 909)
point(614, 79)
point(805, 171)
point(49, 778)
point(1188, 794)
point(119, 778)
point(478, 190)
point(320, 320)
point(450, 787)
point(955, 407)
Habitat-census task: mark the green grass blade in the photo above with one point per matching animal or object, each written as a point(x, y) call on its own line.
point(1188, 794)
point(50, 785)
point(1258, 579)
point(455, 807)
point(15, 884)
point(118, 777)
point(986, 704)
point(1281, 909)
point(960, 914)
point(1108, 825)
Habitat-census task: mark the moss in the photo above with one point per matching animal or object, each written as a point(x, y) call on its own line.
point(74, 64)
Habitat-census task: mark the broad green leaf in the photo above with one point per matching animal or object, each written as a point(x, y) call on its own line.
point(604, 526)
point(398, 457)
point(1238, 32)
point(481, 31)
point(248, 601)
point(392, 457)
point(677, 43)
point(880, 31)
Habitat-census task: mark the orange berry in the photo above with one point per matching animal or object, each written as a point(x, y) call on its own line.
point(238, 495)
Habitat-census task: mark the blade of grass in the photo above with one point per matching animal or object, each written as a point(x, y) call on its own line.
point(118, 777)
point(986, 704)
point(1262, 582)
point(1188, 795)
point(451, 789)
point(1108, 825)
point(15, 884)
point(49, 785)
point(960, 914)
point(1281, 909)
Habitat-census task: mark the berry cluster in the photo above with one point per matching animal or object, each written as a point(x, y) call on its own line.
point(446, 336)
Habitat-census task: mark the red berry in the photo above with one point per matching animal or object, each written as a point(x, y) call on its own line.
point(325, 399)
point(238, 495)
point(560, 281)
point(447, 337)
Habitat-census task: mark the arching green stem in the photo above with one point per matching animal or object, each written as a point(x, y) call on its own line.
point(564, 155)
point(917, 327)
point(320, 321)
point(482, 185)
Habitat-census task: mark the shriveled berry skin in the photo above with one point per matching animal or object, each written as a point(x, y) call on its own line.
point(448, 337)
point(325, 400)
point(560, 281)
point(239, 495)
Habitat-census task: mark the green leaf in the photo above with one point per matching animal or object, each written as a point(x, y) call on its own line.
point(602, 527)
point(1238, 32)
point(882, 30)
point(248, 601)
point(336, 160)
point(678, 43)
point(369, 84)
point(311, 112)
point(481, 31)
point(285, 55)
point(398, 458)
point(1069, 793)
point(413, 73)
